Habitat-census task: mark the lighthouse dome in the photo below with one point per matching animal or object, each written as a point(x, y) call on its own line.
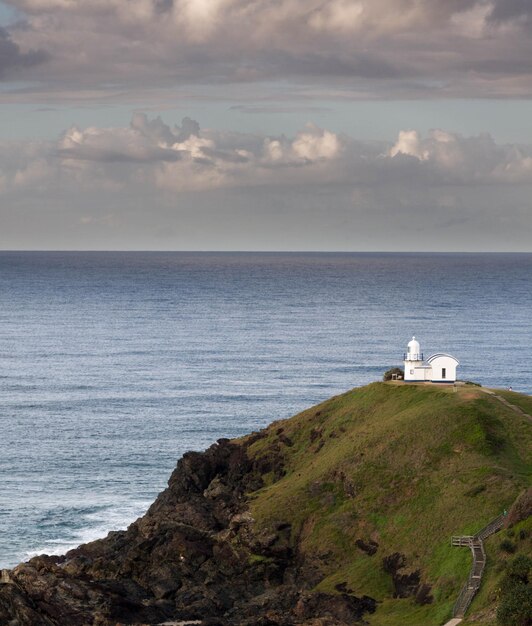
point(413, 352)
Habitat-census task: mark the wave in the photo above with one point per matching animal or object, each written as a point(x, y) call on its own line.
point(95, 524)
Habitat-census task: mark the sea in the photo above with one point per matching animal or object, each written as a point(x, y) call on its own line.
point(113, 364)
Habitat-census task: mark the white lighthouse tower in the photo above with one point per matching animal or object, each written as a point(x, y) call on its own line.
point(413, 360)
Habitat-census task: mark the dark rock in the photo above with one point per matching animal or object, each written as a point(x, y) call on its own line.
point(195, 555)
point(405, 585)
point(423, 595)
point(394, 562)
point(342, 588)
point(315, 433)
point(343, 608)
point(370, 547)
point(521, 509)
point(286, 440)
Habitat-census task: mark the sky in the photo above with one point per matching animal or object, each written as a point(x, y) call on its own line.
point(400, 125)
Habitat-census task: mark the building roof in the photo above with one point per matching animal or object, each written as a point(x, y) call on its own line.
point(433, 357)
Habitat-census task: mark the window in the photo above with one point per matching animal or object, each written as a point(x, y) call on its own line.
point(443, 372)
point(411, 372)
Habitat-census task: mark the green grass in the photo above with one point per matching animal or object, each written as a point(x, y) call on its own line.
point(404, 611)
point(404, 465)
point(497, 559)
point(523, 402)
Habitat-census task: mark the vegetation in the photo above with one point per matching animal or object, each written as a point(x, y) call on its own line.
point(484, 608)
point(395, 373)
point(523, 402)
point(507, 546)
point(388, 469)
point(515, 608)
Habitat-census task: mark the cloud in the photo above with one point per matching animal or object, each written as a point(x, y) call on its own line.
point(369, 48)
point(519, 11)
point(449, 158)
point(123, 186)
point(408, 143)
point(185, 158)
point(11, 57)
point(143, 141)
point(311, 145)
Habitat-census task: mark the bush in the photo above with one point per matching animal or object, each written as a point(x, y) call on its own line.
point(507, 546)
point(515, 608)
point(519, 570)
point(397, 371)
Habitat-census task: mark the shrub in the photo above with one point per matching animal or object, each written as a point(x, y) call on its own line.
point(507, 546)
point(515, 608)
point(397, 371)
point(519, 570)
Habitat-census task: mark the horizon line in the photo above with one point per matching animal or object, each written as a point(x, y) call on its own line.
point(261, 251)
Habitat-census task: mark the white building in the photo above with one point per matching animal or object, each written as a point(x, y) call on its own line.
point(438, 368)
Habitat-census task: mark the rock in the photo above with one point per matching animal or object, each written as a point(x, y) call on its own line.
point(521, 509)
point(194, 556)
point(406, 585)
point(343, 608)
point(370, 547)
point(216, 489)
point(5, 577)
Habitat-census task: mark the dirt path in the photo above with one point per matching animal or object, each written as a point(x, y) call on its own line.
point(504, 401)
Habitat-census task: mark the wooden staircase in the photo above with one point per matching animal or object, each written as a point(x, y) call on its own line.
point(476, 545)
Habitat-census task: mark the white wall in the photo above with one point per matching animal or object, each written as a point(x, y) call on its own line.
point(418, 371)
point(443, 362)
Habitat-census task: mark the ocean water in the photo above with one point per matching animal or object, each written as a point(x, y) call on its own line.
point(114, 364)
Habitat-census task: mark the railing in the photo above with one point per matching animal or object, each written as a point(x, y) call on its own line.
point(473, 582)
point(462, 542)
point(491, 528)
point(475, 543)
point(464, 600)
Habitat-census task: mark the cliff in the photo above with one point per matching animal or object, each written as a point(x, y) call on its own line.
point(341, 514)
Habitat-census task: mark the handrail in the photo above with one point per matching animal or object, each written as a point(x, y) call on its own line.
point(493, 527)
point(475, 543)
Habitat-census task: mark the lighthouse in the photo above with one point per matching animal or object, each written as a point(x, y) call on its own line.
point(413, 361)
point(413, 351)
point(438, 368)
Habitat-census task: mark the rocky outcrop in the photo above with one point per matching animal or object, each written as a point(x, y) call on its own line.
point(195, 555)
point(521, 509)
point(408, 584)
point(370, 547)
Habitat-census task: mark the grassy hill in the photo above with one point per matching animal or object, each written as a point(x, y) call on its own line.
point(342, 514)
point(394, 468)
